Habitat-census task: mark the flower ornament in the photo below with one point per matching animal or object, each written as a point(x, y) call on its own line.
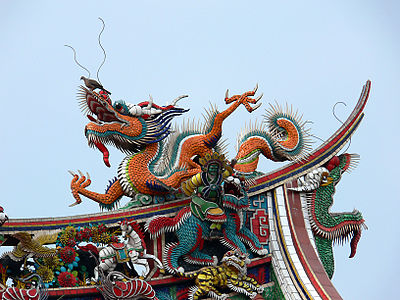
point(68, 254)
point(67, 279)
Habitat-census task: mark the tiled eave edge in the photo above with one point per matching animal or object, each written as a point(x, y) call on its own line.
point(289, 270)
point(300, 272)
point(110, 218)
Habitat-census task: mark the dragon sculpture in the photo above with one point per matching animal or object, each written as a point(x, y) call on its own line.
point(330, 227)
point(158, 161)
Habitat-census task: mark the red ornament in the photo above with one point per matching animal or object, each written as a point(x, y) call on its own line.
point(91, 248)
point(86, 233)
point(259, 225)
point(68, 254)
point(71, 242)
point(67, 279)
point(79, 236)
point(101, 228)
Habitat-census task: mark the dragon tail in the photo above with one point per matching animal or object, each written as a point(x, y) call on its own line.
point(281, 137)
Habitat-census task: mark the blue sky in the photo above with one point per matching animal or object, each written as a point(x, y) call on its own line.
point(310, 54)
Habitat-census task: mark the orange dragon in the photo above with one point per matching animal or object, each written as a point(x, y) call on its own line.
point(159, 159)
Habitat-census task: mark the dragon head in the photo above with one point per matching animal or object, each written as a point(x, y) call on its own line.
point(235, 195)
point(126, 126)
point(349, 224)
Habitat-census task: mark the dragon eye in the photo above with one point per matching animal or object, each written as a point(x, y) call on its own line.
point(121, 107)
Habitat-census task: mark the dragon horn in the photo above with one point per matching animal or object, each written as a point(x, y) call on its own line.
point(150, 102)
point(178, 98)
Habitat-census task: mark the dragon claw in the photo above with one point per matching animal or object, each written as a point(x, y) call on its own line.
point(78, 183)
point(256, 88)
point(258, 98)
point(75, 203)
point(262, 252)
point(255, 107)
point(245, 99)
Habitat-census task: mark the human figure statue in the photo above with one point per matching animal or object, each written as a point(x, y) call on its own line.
point(206, 191)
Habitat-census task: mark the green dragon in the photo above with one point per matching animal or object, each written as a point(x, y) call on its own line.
point(330, 227)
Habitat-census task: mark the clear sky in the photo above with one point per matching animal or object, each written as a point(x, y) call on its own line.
point(310, 54)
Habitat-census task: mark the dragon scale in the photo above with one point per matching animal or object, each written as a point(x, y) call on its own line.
point(283, 138)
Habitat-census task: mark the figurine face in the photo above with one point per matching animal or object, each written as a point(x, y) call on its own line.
point(213, 169)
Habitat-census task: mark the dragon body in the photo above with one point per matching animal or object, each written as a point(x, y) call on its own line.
point(159, 160)
point(329, 227)
point(281, 137)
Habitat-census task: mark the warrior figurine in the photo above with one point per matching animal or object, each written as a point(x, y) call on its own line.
point(206, 190)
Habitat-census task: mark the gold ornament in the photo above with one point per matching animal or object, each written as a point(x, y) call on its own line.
point(45, 273)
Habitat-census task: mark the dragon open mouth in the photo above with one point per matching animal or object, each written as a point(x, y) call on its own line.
point(98, 105)
point(233, 187)
point(234, 193)
point(236, 260)
point(126, 126)
point(237, 265)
